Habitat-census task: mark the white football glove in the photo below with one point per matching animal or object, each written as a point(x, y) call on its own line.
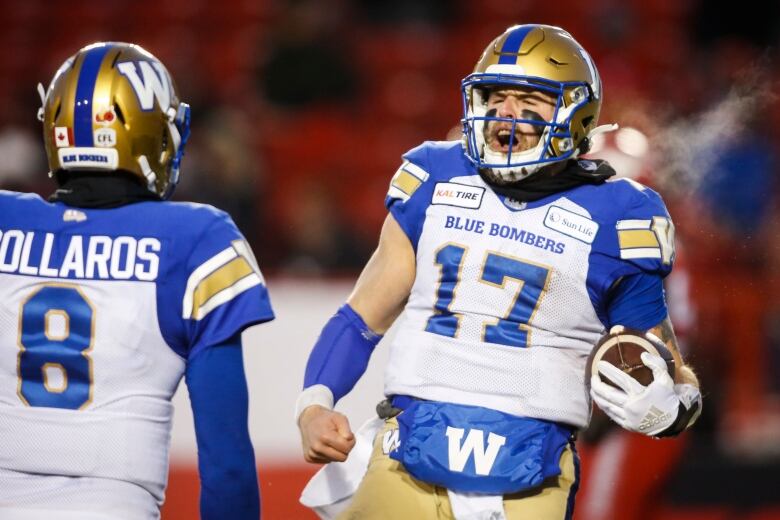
point(658, 409)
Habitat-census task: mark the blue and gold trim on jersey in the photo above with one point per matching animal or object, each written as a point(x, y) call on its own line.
point(220, 279)
point(636, 240)
point(646, 238)
point(406, 180)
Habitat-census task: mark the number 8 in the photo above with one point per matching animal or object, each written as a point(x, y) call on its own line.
point(67, 350)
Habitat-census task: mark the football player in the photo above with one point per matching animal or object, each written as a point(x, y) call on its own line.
point(508, 258)
point(109, 294)
point(611, 488)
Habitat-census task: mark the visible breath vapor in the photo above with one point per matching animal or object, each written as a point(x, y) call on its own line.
point(687, 149)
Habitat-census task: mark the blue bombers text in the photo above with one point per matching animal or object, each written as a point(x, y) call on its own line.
point(504, 231)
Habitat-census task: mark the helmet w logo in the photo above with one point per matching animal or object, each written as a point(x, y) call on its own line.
point(150, 84)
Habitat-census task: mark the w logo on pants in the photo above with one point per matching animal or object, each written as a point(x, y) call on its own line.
point(459, 453)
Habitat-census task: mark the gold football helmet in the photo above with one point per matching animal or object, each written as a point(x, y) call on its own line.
point(539, 57)
point(113, 106)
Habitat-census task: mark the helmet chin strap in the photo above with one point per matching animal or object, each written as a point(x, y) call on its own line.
point(603, 129)
point(151, 177)
point(42, 93)
point(586, 143)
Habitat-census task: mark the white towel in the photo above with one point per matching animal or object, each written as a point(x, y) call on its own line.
point(330, 490)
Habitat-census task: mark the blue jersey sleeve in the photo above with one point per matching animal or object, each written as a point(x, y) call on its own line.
point(226, 460)
point(410, 191)
point(218, 292)
point(636, 237)
point(637, 301)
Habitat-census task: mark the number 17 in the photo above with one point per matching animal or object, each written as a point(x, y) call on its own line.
point(513, 329)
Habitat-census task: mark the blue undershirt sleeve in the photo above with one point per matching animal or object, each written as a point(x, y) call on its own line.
point(226, 460)
point(637, 301)
point(341, 353)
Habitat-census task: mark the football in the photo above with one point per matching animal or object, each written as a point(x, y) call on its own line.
point(623, 347)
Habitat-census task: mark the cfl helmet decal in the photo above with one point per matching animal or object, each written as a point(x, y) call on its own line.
point(113, 106)
point(539, 57)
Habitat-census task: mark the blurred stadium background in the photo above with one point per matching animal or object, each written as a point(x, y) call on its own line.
point(301, 110)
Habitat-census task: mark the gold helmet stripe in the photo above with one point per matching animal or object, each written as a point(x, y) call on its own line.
point(85, 89)
point(512, 44)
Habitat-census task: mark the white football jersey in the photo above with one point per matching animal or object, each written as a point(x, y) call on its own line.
point(510, 297)
point(99, 312)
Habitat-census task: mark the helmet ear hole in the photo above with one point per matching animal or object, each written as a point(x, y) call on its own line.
point(57, 111)
point(119, 114)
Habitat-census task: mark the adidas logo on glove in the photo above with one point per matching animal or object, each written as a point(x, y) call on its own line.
point(653, 417)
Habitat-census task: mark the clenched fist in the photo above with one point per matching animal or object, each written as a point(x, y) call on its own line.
point(325, 435)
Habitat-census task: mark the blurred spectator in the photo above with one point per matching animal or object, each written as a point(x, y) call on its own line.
point(755, 21)
point(23, 165)
point(432, 12)
point(317, 239)
point(739, 184)
point(308, 59)
point(222, 168)
point(733, 239)
point(740, 165)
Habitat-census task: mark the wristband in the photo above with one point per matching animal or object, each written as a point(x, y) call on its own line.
point(314, 395)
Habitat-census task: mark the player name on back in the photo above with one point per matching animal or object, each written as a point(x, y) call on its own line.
point(75, 256)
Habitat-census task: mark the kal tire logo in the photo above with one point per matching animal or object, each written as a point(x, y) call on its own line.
point(461, 195)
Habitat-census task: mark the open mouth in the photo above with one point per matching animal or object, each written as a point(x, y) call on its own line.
point(503, 138)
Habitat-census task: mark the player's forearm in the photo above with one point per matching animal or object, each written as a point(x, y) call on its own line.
point(378, 319)
point(230, 493)
point(339, 358)
point(684, 374)
point(384, 285)
point(219, 397)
